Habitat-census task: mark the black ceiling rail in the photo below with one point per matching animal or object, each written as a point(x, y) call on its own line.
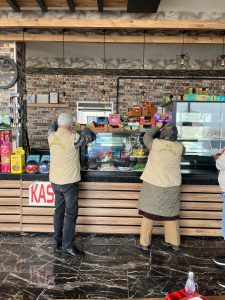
point(70, 5)
point(142, 6)
point(100, 5)
point(42, 5)
point(14, 6)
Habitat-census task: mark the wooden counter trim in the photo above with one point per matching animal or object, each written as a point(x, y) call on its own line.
point(99, 186)
point(8, 227)
point(82, 220)
point(211, 189)
point(121, 230)
point(9, 192)
point(110, 208)
point(9, 184)
point(10, 205)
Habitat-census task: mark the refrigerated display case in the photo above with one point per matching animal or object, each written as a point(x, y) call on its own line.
point(201, 129)
point(115, 151)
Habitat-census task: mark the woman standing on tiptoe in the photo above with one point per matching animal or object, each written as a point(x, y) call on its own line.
point(159, 198)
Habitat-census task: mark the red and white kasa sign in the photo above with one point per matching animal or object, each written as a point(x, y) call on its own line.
point(41, 194)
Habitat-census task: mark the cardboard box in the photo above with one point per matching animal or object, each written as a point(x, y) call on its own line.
point(114, 120)
point(149, 112)
point(18, 161)
point(134, 112)
point(5, 158)
point(147, 120)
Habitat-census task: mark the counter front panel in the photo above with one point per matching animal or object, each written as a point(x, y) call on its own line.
point(109, 207)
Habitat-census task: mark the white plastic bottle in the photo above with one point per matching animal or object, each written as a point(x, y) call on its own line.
point(190, 284)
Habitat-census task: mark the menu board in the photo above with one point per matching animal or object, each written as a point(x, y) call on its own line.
point(198, 147)
point(191, 132)
point(194, 117)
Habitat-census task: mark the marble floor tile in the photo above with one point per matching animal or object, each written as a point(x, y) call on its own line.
point(103, 239)
point(113, 267)
point(202, 242)
point(159, 286)
point(200, 260)
point(153, 286)
point(167, 262)
point(114, 259)
point(88, 286)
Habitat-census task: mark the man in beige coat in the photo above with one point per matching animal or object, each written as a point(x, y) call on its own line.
point(65, 176)
point(160, 193)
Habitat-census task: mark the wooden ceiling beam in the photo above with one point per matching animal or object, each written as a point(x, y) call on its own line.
point(156, 39)
point(70, 5)
point(14, 6)
point(42, 5)
point(100, 5)
point(112, 24)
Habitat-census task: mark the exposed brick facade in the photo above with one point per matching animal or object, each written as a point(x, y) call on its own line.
point(89, 87)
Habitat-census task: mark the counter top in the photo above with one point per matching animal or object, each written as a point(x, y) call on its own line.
point(189, 176)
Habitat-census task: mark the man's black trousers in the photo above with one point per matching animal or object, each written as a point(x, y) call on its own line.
point(66, 210)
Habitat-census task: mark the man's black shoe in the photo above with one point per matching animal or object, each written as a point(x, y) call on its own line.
point(73, 252)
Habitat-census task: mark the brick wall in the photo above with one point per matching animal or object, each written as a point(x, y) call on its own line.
point(89, 87)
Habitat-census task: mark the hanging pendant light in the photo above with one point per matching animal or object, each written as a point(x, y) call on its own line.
point(182, 60)
point(63, 65)
point(143, 52)
point(220, 60)
point(104, 94)
point(143, 61)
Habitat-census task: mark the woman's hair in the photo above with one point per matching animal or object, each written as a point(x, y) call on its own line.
point(169, 133)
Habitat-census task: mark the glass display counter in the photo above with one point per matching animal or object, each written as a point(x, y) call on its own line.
point(201, 129)
point(115, 151)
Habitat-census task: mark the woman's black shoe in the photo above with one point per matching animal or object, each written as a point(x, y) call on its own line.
point(142, 247)
point(73, 252)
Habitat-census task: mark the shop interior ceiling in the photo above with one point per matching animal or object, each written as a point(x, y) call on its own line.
point(170, 38)
point(132, 6)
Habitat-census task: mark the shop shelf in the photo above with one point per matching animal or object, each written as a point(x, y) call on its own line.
point(65, 105)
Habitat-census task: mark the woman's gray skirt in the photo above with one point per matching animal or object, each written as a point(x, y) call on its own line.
point(159, 201)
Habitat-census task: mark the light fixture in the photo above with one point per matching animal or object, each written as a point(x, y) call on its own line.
point(63, 65)
point(143, 52)
point(104, 94)
point(220, 60)
point(182, 60)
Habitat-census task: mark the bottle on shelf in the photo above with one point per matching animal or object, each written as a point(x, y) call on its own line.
point(15, 111)
point(190, 284)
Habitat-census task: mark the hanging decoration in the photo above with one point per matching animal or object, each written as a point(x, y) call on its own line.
point(143, 52)
point(63, 66)
point(104, 94)
point(182, 60)
point(220, 60)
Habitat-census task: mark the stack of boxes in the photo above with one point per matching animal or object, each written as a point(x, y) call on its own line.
point(18, 161)
point(10, 162)
point(5, 150)
point(141, 115)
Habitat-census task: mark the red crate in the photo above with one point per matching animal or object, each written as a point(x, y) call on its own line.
point(182, 295)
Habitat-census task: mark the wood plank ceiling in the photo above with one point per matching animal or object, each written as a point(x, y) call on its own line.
point(133, 6)
point(139, 6)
